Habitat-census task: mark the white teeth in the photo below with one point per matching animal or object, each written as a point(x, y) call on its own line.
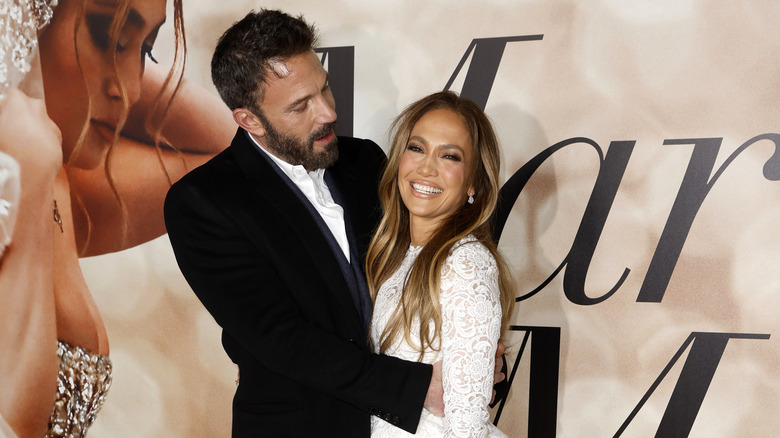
point(426, 189)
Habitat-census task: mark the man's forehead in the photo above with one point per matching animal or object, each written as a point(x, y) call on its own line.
point(291, 78)
point(278, 67)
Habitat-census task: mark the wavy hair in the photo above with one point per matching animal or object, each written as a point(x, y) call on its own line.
point(420, 295)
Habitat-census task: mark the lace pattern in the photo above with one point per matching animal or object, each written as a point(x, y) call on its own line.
point(471, 325)
point(82, 384)
point(20, 21)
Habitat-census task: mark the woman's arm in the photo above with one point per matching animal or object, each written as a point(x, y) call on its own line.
point(471, 324)
point(28, 365)
point(198, 122)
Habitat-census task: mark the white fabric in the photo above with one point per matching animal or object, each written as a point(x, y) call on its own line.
point(19, 24)
point(313, 186)
point(9, 198)
point(5, 429)
point(471, 324)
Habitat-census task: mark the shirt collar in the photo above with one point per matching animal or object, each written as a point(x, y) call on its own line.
point(293, 171)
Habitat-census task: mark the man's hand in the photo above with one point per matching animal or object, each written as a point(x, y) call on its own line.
point(434, 399)
point(498, 376)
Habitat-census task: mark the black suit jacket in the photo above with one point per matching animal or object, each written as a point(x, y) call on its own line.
point(259, 263)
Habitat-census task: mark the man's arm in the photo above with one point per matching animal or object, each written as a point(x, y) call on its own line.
point(241, 288)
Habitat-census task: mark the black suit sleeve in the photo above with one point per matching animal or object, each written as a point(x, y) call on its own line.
point(237, 282)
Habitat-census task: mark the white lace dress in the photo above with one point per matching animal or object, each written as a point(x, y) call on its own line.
point(471, 324)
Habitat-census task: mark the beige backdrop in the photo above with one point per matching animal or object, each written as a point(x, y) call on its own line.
point(607, 70)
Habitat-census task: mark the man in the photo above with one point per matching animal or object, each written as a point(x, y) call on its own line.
point(273, 246)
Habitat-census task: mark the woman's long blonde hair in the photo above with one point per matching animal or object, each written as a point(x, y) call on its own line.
point(420, 296)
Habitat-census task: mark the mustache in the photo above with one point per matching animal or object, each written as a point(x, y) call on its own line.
point(322, 132)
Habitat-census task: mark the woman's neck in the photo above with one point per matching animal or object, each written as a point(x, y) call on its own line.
point(420, 231)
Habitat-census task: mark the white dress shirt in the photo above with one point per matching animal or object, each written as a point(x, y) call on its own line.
point(312, 185)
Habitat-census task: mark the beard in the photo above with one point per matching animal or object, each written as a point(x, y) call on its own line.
point(297, 152)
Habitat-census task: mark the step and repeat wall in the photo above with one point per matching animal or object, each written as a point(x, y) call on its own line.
point(640, 214)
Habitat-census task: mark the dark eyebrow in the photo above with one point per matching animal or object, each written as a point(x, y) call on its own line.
point(418, 138)
point(134, 18)
point(297, 102)
point(446, 145)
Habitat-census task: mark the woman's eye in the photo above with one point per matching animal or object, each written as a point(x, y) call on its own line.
point(452, 157)
point(98, 27)
point(146, 52)
point(413, 148)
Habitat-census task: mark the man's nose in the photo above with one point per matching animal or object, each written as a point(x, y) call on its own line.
point(326, 112)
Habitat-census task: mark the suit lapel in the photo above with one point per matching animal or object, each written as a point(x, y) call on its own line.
point(270, 190)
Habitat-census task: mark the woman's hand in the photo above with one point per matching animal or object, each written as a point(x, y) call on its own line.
point(434, 399)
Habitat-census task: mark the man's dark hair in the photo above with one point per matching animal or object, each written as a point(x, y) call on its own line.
point(246, 51)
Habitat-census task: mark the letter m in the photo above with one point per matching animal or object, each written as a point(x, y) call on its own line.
point(695, 378)
point(484, 66)
point(543, 380)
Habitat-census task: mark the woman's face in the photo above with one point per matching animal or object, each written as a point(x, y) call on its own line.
point(434, 167)
point(70, 91)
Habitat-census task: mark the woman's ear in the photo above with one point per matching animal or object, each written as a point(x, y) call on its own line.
point(250, 122)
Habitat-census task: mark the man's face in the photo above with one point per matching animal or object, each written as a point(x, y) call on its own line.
point(298, 113)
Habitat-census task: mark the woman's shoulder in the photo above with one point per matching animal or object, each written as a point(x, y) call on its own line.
point(471, 252)
point(469, 266)
point(470, 246)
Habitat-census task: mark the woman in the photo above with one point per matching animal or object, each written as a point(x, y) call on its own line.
point(95, 183)
point(433, 264)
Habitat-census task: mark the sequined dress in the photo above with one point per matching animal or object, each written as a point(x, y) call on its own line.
point(82, 383)
point(471, 325)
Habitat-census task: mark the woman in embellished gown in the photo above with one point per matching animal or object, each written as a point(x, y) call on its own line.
point(433, 265)
point(91, 182)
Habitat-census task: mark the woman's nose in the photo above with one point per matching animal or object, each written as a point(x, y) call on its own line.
point(427, 165)
point(128, 84)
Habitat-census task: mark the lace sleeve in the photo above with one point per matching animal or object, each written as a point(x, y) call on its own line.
point(9, 199)
point(471, 324)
